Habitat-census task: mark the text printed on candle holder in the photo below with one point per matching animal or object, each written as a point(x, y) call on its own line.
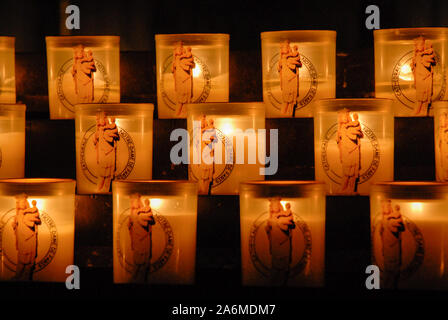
point(205, 148)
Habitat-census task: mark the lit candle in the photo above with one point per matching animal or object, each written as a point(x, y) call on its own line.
point(410, 68)
point(36, 229)
point(299, 67)
point(441, 139)
point(223, 149)
point(408, 229)
point(113, 141)
point(82, 69)
point(191, 68)
point(7, 70)
point(12, 141)
point(282, 233)
point(154, 231)
point(354, 144)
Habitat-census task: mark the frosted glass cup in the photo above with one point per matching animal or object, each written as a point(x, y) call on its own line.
point(299, 67)
point(408, 234)
point(82, 69)
point(441, 139)
point(37, 224)
point(154, 231)
point(282, 233)
point(191, 68)
point(353, 144)
point(113, 141)
point(12, 141)
point(7, 73)
point(410, 68)
point(227, 144)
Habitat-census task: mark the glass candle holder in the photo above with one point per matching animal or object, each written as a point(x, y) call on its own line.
point(191, 68)
point(282, 233)
point(408, 234)
point(353, 144)
point(8, 71)
point(154, 231)
point(410, 68)
point(82, 69)
point(299, 67)
point(441, 139)
point(12, 141)
point(226, 141)
point(36, 229)
point(113, 141)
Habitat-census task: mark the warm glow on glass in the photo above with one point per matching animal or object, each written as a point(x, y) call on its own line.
point(225, 145)
point(227, 128)
point(37, 229)
point(441, 139)
point(197, 71)
point(409, 229)
point(282, 237)
point(299, 68)
point(154, 231)
point(40, 203)
point(156, 203)
point(191, 68)
point(406, 73)
point(7, 70)
point(113, 141)
point(82, 69)
point(12, 141)
point(417, 207)
point(354, 144)
point(410, 68)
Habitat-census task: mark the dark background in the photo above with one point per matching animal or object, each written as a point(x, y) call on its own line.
point(51, 144)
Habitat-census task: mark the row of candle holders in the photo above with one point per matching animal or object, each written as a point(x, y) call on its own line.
point(282, 232)
point(299, 68)
point(225, 144)
point(282, 223)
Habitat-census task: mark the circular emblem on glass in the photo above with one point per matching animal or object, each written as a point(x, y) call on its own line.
point(28, 239)
point(107, 152)
point(144, 239)
point(291, 82)
point(419, 77)
point(214, 167)
point(398, 246)
point(185, 79)
point(82, 79)
point(280, 243)
point(350, 152)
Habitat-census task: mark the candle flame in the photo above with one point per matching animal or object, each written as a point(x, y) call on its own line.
point(406, 73)
point(156, 203)
point(39, 203)
point(417, 206)
point(196, 71)
point(227, 128)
